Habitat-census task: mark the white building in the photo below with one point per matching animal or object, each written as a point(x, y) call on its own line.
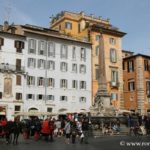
point(12, 71)
point(57, 75)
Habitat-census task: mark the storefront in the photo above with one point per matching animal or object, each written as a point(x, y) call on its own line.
point(2, 112)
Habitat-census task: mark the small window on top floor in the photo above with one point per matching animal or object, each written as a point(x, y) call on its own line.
point(146, 67)
point(97, 38)
point(19, 45)
point(112, 41)
point(68, 25)
point(1, 42)
point(0, 95)
point(130, 66)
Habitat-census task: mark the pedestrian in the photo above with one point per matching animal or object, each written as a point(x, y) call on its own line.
point(17, 129)
point(67, 130)
point(85, 129)
point(45, 129)
point(73, 131)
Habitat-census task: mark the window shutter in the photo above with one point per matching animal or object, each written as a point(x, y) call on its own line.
point(34, 63)
point(39, 47)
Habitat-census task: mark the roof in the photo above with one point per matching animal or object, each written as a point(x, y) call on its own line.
point(127, 51)
point(108, 30)
point(50, 33)
point(137, 55)
point(12, 34)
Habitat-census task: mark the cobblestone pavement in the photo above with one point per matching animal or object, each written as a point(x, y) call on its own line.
point(102, 143)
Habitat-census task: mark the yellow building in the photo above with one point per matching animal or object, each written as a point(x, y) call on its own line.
point(90, 28)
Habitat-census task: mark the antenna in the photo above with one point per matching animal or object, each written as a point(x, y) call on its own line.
point(7, 10)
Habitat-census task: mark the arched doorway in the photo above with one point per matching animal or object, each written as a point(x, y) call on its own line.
point(33, 110)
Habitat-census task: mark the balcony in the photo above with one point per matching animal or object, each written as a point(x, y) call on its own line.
point(114, 84)
point(11, 68)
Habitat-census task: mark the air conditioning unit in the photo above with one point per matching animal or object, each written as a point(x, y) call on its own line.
point(113, 83)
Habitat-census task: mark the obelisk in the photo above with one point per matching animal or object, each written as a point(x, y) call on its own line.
point(102, 95)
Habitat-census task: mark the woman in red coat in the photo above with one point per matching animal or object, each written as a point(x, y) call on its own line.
point(45, 129)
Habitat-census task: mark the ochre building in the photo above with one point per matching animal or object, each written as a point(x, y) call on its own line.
point(136, 76)
point(91, 28)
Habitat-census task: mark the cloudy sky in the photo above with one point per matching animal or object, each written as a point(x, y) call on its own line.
point(131, 16)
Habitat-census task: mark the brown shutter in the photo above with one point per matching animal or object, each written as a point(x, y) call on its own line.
point(18, 80)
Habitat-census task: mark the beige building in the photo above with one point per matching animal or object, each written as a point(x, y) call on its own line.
point(90, 28)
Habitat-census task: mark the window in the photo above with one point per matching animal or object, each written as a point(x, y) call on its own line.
point(40, 97)
point(97, 73)
point(82, 69)
point(41, 63)
point(68, 25)
point(131, 85)
point(113, 55)
point(63, 83)
point(18, 96)
point(40, 81)
point(74, 84)
point(97, 51)
point(1, 42)
point(18, 64)
point(112, 41)
point(51, 49)
point(82, 85)
point(97, 38)
point(83, 54)
point(30, 80)
point(79, 27)
point(64, 51)
point(63, 98)
point(63, 66)
point(148, 88)
point(74, 68)
point(146, 66)
point(82, 99)
point(32, 46)
point(50, 97)
point(114, 96)
point(51, 82)
point(41, 48)
point(130, 66)
point(73, 53)
point(19, 45)
point(51, 65)
point(31, 62)
point(0, 95)
point(17, 108)
point(49, 109)
point(30, 96)
point(123, 65)
point(114, 76)
point(18, 80)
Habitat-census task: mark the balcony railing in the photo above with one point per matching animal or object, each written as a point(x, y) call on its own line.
point(11, 68)
point(114, 84)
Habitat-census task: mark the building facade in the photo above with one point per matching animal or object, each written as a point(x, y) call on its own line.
point(91, 28)
point(12, 71)
point(136, 78)
point(57, 71)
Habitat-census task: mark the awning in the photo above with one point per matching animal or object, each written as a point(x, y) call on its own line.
point(35, 114)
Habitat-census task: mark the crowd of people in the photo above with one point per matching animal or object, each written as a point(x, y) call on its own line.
point(72, 130)
point(140, 125)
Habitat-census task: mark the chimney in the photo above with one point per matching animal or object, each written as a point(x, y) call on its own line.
point(82, 13)
point(92, 15)
point(6, 26)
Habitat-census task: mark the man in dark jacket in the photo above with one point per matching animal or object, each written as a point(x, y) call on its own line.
point(16, 130)
point(85, 129)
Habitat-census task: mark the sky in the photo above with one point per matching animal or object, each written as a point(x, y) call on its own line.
point(130, 16)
